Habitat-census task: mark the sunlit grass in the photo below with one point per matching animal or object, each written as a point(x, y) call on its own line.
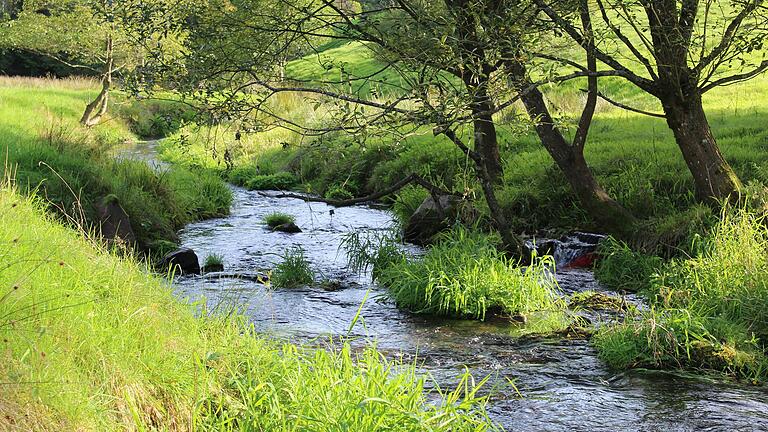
point(92, 342)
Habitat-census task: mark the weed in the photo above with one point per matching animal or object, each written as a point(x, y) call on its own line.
point(276, 219)
point(293, 271)
point(620, 268)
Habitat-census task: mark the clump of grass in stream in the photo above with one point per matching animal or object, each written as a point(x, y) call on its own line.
point(709, 309)
point(274, 220)
point(293, 271)
point(464, 275)
point(372, 250)
point(94, 342)
point(214, 260)
point(621, 268)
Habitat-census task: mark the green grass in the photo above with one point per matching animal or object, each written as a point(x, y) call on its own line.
point(74, 168)
point(91, 341)
point(622, 269)
point(274, 220)
point(293, 271)
point(464, 275)
point(214, 260)
point(709, 309)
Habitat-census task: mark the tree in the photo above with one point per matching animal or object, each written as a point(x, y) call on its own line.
point(462, 62)
point(677, 51)
point(81, 34)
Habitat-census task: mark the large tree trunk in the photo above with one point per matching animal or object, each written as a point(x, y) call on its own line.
point(610, 215)
point(713, 177)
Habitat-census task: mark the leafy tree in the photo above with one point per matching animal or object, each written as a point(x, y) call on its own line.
point(79, 33)
point(460, 62)
point(677, 51)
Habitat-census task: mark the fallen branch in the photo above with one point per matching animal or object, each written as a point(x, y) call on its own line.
point(413, 178)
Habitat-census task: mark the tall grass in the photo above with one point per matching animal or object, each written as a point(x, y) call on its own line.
point(74, 167)
point(709, 308)
point(293, 271)
point(464, 275)
point(91, 341)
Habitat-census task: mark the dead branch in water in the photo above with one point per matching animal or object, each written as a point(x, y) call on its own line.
point(413, 178)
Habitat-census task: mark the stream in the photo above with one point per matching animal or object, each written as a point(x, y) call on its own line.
point(562, 383)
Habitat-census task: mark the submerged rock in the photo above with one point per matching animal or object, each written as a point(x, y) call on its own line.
point(290, 228)
point(213, 268)
point(434, 216)
point(183, 261)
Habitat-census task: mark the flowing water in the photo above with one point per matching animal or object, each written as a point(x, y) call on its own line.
point(563, 384)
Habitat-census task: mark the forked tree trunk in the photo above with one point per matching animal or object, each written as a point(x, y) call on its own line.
point(96, 110)
point(713, 177)
point(611, 216)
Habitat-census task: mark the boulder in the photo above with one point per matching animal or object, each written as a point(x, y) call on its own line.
point(114, 223)
point(183, 261)
point(289, 228)
point(432, 217)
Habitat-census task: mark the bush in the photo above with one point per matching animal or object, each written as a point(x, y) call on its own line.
point(293, 271)
point(464, 275)
point(276, 219)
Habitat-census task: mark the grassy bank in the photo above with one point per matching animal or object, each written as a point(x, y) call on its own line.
point(708, 310)
point(74, 168)
point(91, 342)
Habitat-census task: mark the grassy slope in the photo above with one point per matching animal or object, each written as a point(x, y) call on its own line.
point(89, 341)
point(73, 167)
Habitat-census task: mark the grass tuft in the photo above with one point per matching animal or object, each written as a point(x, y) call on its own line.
point(276, 219)
point(293, 271)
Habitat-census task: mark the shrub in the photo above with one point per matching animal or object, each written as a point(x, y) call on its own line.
point(293, 271)
point(464, 275)
point(276, 219)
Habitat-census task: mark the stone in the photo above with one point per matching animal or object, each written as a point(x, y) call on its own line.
point(431, 218)
point(290, 228)
point(183, 261)
point(114, 222)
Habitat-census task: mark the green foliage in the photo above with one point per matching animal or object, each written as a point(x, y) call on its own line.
point(464, 275)
point(709, 307)
point(214, 260)
point(622, 269)
point(293, 271)
point(372, 250)
point(279, 181)
point(155, 118)
point(407, 201)
point(74, 168)
point(110, 348)
point(678, 338)
point(276, 219)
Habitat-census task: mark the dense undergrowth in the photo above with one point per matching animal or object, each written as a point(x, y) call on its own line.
point(91, 341)
point(708, 309)
point(75, 169)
